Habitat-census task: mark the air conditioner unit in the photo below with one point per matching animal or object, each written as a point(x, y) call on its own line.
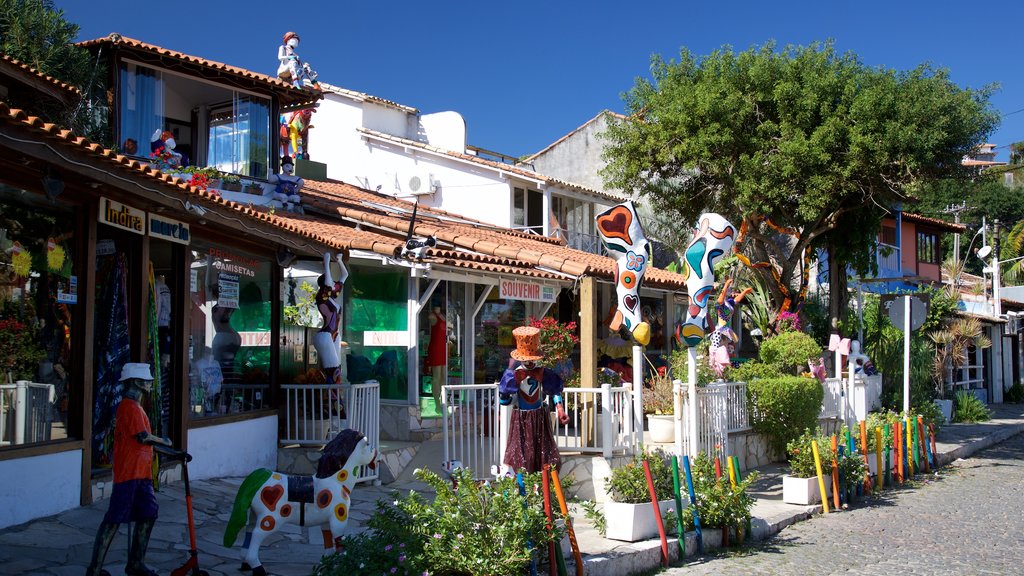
point(418, 183)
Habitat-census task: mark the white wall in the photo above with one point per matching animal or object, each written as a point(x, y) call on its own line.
point(234, 449)
point(49, 484)
point(446, 130)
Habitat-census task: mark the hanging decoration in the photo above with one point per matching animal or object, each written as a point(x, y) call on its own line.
point(54, 255)
point(21, 260)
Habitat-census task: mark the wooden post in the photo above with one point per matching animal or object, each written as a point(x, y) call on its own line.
point(86, 332)
point(588, 354)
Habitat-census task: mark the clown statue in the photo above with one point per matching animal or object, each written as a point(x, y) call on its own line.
point(162, 142)
point(531, 444)
point(132, 499)
point(723, 340)
point(286, 192)
point(623, 237)
point(711, 241)
point(291, 68)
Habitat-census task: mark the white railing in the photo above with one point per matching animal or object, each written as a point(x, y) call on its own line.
point(581, 240)
point(471, 431)
point(831, 404)
point(888, 257)
point(737, 414)
point(712, 418)
point(600, 420)
point(311, 414)
point(25, 412)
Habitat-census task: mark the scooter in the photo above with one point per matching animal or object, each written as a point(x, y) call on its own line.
point(191, 566)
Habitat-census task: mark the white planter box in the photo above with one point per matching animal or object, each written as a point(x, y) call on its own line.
point(804, 490)
point(633, 522)
point(662, 428)
point(872, 462)
point(946, 407)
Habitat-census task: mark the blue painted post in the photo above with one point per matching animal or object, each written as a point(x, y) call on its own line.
point(693, 500)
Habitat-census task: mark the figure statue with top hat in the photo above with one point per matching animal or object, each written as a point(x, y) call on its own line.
point(525, 386)
point(132, 499)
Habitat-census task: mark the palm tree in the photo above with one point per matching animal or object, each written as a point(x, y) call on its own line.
point(953, 342)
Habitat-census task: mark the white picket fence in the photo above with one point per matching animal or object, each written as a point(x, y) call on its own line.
point(312, 419)
point(25, 412)
point(597, 414)
point(471, 434)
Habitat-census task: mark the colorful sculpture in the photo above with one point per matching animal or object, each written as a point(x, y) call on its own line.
point(132, 499)
point(295, 133)
point(327, 341)
point(711, 241)
point(723, 340)
point(287, 187)
point(531, 444)
point(292, 68)
point(623, 237)
point(268, 500)
point(161, 146)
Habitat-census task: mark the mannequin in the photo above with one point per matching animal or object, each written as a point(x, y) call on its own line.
point(291, 68)
point(226, 340)
point(326, 341)
point(437, 352)
point(133, 499)
point(163, 319)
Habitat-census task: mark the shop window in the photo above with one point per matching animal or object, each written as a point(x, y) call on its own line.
point(38, 299)
point(441, 344)
point(494, 340)
point(376, 301)
point(229, 339)
point(927, 248)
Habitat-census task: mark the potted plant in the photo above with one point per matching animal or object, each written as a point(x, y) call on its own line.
point(20, 352)
point(951, 345)
point(230, 182)
point(721, 505)
point(254, 188)
point(557, 342)
point(658, 405)
point(881, 420)
point(800, 485)
point(629, 515)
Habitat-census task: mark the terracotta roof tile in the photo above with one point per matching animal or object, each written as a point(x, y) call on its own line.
point(942, 224)
point(288, 94)
point(16, 66)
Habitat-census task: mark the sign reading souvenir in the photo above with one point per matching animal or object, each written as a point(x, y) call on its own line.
point(227, 287)
point(160, 227)
point(524, 290)
point(386, 338)
point(122, 216)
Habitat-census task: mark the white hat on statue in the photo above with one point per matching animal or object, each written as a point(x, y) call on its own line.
point(138, 370)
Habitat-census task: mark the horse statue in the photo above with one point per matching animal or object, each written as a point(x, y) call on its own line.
point(268, 500)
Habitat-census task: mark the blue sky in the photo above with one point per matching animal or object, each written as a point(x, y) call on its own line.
point(525, 73)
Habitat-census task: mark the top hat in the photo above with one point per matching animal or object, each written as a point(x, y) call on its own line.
point(527, 344)
point(138, 370)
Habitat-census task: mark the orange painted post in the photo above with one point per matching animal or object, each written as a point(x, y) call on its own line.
point(718, 468)
point(835, 473)
point(910, 449)
point(821, 480)
point(864, 453)
point(878, 458)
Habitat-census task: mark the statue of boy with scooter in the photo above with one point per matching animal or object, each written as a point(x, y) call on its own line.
point(132, 499)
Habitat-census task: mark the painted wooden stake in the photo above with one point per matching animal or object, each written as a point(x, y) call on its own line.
point(908, 430)
point(864, 453)
point(821, 480)
point(835, 472)
point(878, 458)
point(657, 513)
point(935, 455)
point(844, 495)
point(732, 471)
point(546, 483)
point(693, 501)
point(679, 507)
point(897, 436)
point(739, 480)
point(577, 556)
point(924, 444)
point(888, 463)
point(718, 467)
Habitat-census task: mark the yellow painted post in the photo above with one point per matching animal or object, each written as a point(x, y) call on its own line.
point(910, 450)
point(732, 471)
point(878, 458)
point(821, 480)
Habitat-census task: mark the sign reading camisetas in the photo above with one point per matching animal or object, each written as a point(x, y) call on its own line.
point(526, 290)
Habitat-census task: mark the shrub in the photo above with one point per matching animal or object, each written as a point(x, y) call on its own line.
point(790, 351)
point(928, 410)
point(968, 408)
point(801, 454)
point(753, 370)
point(557, 340)
point(880, 420)
point(475, 529)
point(628, 484)
point(784, 407)
point(657, 396)
point(1015, 394)
point(719, 503)
point(852, 469)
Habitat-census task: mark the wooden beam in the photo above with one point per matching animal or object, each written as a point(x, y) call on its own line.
point(588, 332)
point(85, 333)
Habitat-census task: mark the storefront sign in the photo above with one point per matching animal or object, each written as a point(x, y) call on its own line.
point(160, 227)
point(227, 290)
point(524, 290)
point(122, 216)
point(386, 338)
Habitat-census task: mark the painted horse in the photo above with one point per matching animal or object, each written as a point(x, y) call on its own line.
point(711, 241)
point(624, 238)
point(268, 500)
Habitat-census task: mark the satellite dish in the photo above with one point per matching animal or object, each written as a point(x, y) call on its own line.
point(984, 251)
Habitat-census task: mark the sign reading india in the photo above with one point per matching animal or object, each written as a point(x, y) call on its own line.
point(523, 290)
point(122, 216)
point(160, 227)
point(386, 338)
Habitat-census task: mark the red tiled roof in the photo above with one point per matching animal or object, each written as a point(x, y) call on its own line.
point(288, 94)
point(368, 97)
point(493, 164)
point(66, 92)
point(934, 222)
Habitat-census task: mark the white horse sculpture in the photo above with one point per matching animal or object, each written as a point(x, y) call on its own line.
point(267, 500)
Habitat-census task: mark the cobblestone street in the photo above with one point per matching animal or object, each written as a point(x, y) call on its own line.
point(968, 520)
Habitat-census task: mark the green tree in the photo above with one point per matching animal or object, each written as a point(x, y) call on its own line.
point(802, 146)
point(36, 33)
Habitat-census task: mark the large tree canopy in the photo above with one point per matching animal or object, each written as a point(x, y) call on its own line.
point(804, 146)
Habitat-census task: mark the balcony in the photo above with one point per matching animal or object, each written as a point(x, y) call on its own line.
point(888, 257)
point(581, 241)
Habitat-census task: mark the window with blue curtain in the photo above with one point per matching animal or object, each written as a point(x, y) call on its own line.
point(142, 108)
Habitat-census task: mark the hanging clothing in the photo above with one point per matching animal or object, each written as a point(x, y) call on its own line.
point(437, 349)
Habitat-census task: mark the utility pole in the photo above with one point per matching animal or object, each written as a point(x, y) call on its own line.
point(955, 210)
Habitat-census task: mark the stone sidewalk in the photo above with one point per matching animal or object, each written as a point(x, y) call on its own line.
point(62, 544)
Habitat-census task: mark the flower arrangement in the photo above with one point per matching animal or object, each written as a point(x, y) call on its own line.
point(801, 454)
point(163, 159)
point(657, 395)
point(557, 340)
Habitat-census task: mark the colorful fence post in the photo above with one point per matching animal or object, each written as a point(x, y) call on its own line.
point(693, 501)
point(935, 455)
point(888, 462)
point(679, 507)
point(835, 473)
point(657, 513)
point(878, 458)
point(864, 453)
point(577, 556)
point(546, 483)
point(821, 480)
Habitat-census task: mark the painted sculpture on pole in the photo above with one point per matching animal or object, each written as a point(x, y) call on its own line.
point(624, 238)
point(268, 500)
point(327, 340)
point(723, 339)
point(711, 241)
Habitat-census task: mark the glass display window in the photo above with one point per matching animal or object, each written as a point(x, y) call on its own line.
point(376, 327)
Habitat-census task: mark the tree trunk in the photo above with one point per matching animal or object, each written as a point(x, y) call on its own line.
point(837, 296)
